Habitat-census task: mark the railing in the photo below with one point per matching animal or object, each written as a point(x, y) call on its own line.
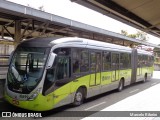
point(3, 66)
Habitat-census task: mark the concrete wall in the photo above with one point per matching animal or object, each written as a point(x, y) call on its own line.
point(3, 72)
point(2, 81)
point(156, 67)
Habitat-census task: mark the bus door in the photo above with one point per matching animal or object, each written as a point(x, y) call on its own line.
point(95, 64)
point(58, 77)
point(62, 77)
point(139, 67)
point(115, 67)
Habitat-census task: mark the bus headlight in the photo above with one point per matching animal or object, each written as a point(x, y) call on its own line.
point(34, 94)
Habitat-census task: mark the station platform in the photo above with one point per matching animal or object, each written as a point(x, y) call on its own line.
point(144, 105)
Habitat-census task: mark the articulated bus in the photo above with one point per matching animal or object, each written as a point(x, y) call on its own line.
point(45, 73)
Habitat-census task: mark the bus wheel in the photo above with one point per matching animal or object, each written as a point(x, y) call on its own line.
point(79, 97)
point(145, 78)
point(121, 85)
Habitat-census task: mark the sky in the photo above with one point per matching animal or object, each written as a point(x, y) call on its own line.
point(74, 11)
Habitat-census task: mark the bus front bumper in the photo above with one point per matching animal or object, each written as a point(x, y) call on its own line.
point(41, 103)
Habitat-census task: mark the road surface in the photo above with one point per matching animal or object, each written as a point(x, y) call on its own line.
point(91, 105)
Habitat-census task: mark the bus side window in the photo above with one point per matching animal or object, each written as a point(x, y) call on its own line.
point(76, 60)
point(93, 61)
point(84, 65)
point(106, 60)
point(50, 75)
point(75, 66)
point(62, 68)
point(80, 61)
point(125, 60)
point(63, 63)
point(139, 61)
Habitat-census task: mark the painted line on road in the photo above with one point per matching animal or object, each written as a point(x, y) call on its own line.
point(133, 91)
point(153, 84)
point(95, 106)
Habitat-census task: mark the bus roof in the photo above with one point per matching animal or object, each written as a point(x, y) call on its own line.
point(51, 41)
point(94, 43)
point(38, 42)
point(90, 43)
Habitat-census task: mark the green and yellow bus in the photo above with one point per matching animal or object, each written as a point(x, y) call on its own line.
point(45, 73)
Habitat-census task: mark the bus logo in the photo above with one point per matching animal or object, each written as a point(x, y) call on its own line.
point(15, 101)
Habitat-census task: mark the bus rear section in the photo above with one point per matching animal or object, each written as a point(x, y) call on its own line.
point(142, 65)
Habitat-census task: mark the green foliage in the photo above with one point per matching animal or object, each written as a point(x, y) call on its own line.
point(139, 35)
point(132, 35)
point(157, 49)
point(123, 32)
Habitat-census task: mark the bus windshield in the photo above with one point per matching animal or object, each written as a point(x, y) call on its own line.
point(26, 69)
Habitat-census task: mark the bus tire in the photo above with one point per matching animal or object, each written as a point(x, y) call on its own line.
point(79, 97)
point(145, 78)
point(120, 86)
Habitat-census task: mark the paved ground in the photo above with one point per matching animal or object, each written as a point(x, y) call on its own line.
point(140, 96)
point(144, 105)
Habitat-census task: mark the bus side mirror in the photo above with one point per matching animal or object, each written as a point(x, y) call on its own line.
point(51, 60)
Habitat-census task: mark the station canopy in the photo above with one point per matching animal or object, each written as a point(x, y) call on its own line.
point(22, 22)
point(141, 14)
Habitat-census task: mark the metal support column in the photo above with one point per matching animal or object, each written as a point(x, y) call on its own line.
point(17, 32)
point(2, 32)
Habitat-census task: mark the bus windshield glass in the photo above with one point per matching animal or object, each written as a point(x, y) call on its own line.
point(26, 69)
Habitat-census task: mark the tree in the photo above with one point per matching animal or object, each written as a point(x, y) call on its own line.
point(41, 8)
point(157, 55)
point(157, 51)
point(124, 32)
point(132, 35)
point(139, 35)
point(142, 36)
